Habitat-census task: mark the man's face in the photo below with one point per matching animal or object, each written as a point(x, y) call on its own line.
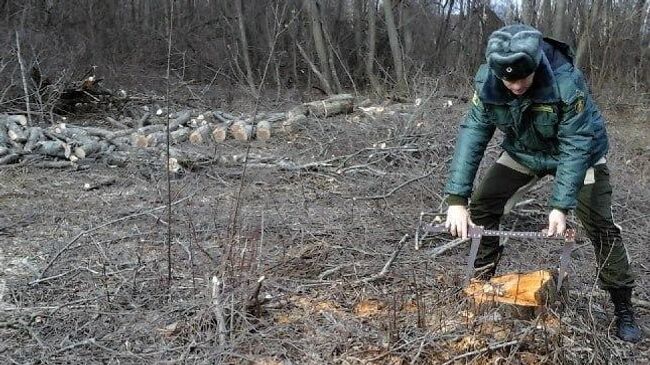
point(519, 87)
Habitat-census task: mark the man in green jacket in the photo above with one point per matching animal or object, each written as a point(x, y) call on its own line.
point(530, 90)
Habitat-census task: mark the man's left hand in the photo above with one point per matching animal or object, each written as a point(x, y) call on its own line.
point(556, 223)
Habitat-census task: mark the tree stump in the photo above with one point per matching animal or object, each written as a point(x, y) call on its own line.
point(522, 294)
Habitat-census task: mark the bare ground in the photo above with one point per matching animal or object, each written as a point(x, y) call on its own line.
point(85, 278)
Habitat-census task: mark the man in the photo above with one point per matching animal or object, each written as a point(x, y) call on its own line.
point(531, 91)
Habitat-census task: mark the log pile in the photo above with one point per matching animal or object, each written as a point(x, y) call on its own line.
point(71, 143)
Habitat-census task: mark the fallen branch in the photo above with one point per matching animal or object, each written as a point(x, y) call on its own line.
point(448, 246)
point(483, 350)
point(388, 263)
point(217, 308)
point(81, 234)
point(395, 189)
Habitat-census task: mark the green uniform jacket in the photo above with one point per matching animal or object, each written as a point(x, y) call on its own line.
point(555, 128)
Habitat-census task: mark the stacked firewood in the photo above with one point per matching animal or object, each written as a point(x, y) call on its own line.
point(63, 141)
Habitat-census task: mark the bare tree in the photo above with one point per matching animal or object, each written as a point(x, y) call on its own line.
point(544, 20)
point(528, 11)
point(370, 55)
point(396, 49)
point(244, 45)
point(560, 20)
point(586, 32)
point(319, 43)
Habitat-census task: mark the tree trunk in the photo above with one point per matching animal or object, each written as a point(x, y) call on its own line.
point(545, 16)
point(638, 32)
point(560, 20)
point(372, 40)
point(319, 42)
point(405, 18)
point(357, 25)
point(244, 44)
point(442, 32)
point(586, 33)
point(396, 50)
point(528, 11)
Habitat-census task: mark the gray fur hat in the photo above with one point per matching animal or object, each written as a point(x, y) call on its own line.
point(514, 51)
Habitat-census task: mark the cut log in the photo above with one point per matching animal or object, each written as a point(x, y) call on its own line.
point(181, 119)
point(19, 119)
point(274, 117)
point(156, 138)
point(9, 159)
point(139, 140)
point(4, 137)
point(35, 135)
point(180, 135)
point(297, 111)
point(263, 131)
point(89, 149)
point(241, 131)
point(223, 117)
point(338, 104)
point(116, 123)
point(16, 132)
point(116, 159)
point(143, 120)
point(294, 123)
point(53, 148)
point(219, 132)
point(174, 166)
point(201, 135)
point(529, 289)
point(338, 97)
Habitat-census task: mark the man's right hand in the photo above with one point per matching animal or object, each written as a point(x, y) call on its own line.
point(458, 220)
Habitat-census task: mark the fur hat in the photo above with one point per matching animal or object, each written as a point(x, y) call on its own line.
point(514, 51)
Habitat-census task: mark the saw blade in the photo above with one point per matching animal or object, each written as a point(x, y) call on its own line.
point(473, 251)
point(564, 263)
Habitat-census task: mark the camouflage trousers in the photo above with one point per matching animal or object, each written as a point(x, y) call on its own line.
point(593, 209)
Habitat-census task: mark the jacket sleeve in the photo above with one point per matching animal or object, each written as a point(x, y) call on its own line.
point(474, 134)
point(575, 136)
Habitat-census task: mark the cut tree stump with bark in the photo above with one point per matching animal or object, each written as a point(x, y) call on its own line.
point(523, 292)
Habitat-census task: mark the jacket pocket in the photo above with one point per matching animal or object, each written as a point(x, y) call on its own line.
point(500, 117)
point(545, 121)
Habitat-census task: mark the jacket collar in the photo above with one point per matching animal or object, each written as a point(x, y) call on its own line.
point(543, 90)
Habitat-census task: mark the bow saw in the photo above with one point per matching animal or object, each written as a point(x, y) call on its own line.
point(475, 233)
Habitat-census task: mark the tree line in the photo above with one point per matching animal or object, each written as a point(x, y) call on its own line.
point(333, 45)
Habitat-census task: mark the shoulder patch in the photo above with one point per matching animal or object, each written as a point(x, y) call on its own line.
point(579, 104)
point(571, 86)
point(543, 108)
point(475, 99)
